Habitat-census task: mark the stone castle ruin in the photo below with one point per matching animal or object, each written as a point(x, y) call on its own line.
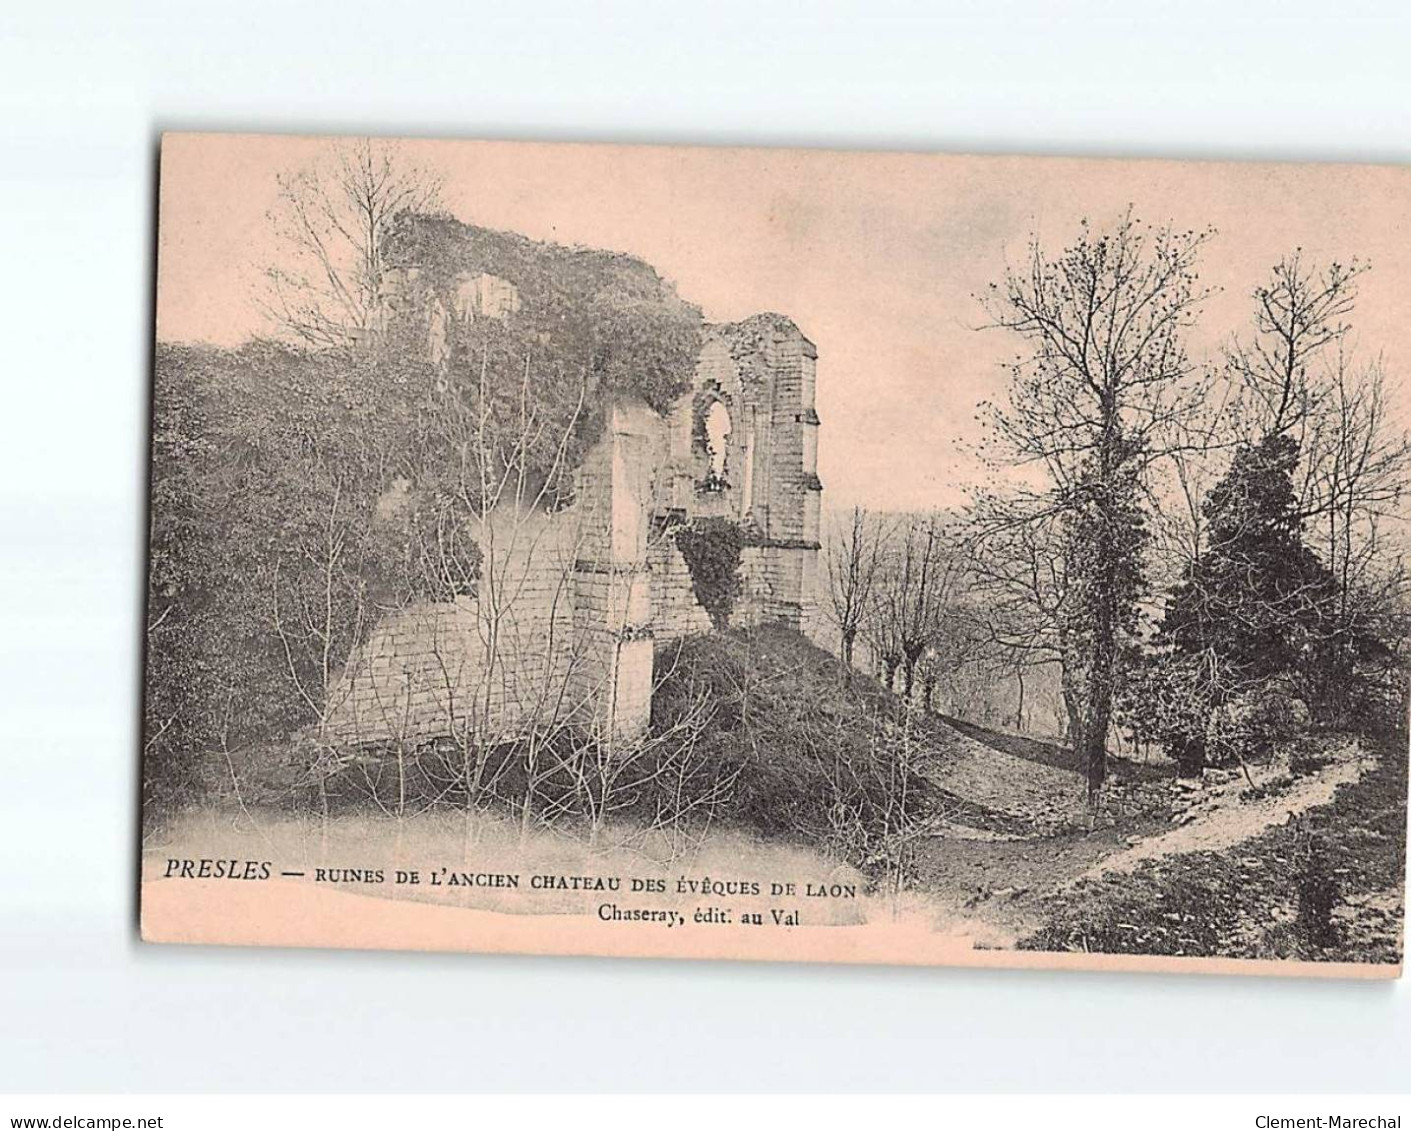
point(573, 603)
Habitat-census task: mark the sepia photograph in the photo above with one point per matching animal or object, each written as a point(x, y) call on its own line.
point(742, 565)
point(778, 554)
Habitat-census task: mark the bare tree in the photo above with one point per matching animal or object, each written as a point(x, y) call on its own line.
point(877, 810)
point(1091, 404)
point(1302, 380)
point(1197, 455)
point(326, 285)
point(317, 604)
point(920, 577)
point(1019, 582)
point(1357, 469)
point(666, 766)
point(853, 560)
point(1299, 314)
point(490, 540)
point(881, 631)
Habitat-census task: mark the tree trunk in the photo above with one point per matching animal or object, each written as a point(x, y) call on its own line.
point(1074, 729)
point(849, 635)
point(1189, 753)
point(401, 783)
point(1102, 673)
point(1019, 709)
point(1095, 745)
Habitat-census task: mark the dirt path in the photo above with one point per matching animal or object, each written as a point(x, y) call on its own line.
point(1040, 795)
point(1225, 820)
point(994, 886)
point(997, 885)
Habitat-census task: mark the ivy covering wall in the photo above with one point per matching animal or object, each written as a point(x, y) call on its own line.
point(712, 549)
point(592, 325)
point(298, 495)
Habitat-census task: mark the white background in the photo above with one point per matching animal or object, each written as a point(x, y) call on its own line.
point(84, 90)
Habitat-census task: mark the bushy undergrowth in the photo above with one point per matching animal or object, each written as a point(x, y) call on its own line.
point(818, 752)
point(760, 731)
point(563, 777)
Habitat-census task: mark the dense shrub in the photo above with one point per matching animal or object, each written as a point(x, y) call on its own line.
point(267, 468)
point(819, 752)
point(1254, 725)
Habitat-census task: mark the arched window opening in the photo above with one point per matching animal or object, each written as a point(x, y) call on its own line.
point(718, 428)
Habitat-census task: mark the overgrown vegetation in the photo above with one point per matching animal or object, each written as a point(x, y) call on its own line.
point(711, 548)
point(757, 731)
point(1197, 558)
point(817, 753)
point(596, 323)
point(270, 558)
point(300, 494)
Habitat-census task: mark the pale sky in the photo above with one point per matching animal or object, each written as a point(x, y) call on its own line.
point(877, 257)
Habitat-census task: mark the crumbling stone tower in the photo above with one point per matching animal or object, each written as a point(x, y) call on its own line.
point(585, 592)
point(744, 446)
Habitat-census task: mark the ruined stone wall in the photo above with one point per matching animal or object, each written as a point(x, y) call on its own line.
point(675, 610)
point(763, 371)
point(520, 652)
point(563, 624)
point(485, 664)
point(612, 578)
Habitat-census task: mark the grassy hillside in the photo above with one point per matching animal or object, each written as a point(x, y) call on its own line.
point(819, 752)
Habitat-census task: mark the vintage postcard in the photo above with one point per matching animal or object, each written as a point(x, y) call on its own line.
point(778, 554)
